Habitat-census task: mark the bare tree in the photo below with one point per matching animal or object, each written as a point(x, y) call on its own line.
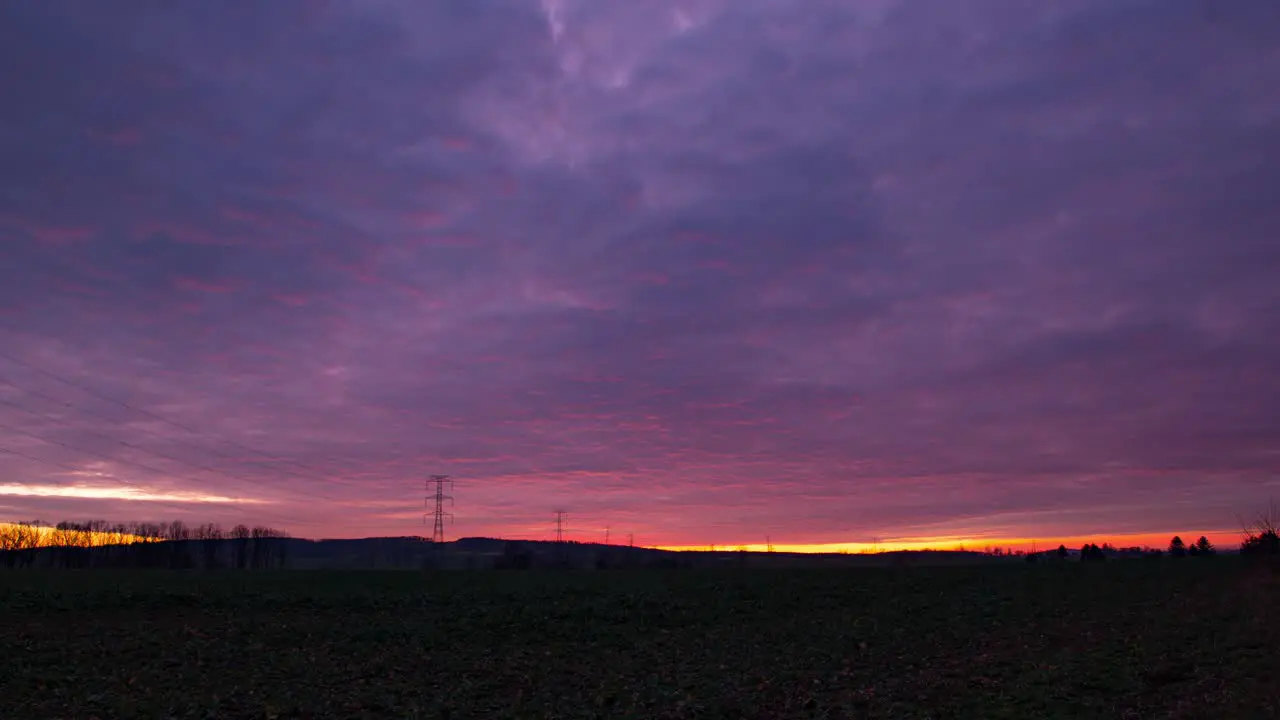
point(1263, 537)
point(210, 536)
point(18, 542)
point(140, 544)
point(240, 539)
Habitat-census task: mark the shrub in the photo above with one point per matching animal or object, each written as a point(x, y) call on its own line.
point(1262, 539)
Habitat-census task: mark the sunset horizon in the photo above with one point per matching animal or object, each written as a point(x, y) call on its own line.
point(1222, 539)
point(701, 272)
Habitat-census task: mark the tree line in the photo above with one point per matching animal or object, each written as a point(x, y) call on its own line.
point(177, 545)
point(1092, 552)
point(174, 544)
point(1260, 539)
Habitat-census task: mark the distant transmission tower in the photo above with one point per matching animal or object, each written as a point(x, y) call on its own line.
point(560, 516)
point(435, 496)
point(606, 534)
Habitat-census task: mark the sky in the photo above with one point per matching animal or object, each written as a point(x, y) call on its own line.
point(701, 272)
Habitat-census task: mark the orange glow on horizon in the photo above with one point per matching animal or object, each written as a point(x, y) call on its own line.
point(46, 536)
point(1223, 539)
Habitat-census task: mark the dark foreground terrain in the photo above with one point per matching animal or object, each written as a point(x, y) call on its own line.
point(1170, 638)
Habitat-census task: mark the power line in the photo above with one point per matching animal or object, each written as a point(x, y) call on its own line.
point(75, 470)
point(68, 468)
point(106, 458)
point(319, 475)
point(117, 422)
point(56, 464)
point(152, 415)
point(125, 443)
point(98, 455)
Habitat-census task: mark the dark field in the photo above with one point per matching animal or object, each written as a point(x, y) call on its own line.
point(1190, 638)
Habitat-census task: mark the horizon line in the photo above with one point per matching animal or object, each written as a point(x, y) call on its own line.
point(1155, 540)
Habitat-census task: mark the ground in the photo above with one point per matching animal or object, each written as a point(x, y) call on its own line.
point(1168, 638)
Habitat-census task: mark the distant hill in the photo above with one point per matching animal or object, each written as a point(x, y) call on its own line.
point(472, 553)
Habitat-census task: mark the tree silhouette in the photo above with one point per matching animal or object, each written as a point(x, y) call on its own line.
point(210, 536)
point(97, 543)
point(1177, 548)
point(1091, 553)
point(1205, 547)
point(1264, 543)
point(1263, 537)
point(18, 542)
point(177, 534)
point(240, 537)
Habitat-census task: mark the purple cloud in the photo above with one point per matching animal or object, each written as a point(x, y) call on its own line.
point(700, 270)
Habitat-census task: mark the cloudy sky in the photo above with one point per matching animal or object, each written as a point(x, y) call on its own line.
point(703, 271)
